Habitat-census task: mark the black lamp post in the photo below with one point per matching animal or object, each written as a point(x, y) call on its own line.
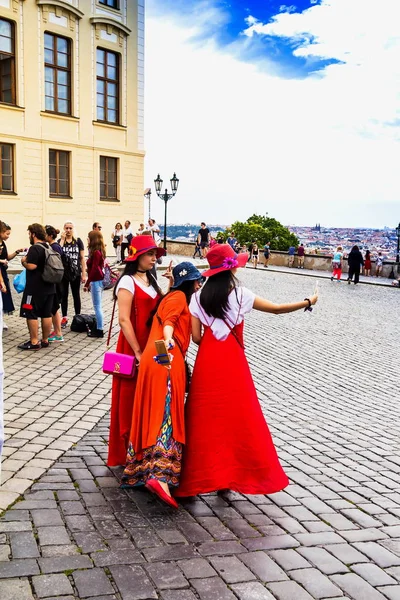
point(147, 194)
point(165, 196)
point(398, 246)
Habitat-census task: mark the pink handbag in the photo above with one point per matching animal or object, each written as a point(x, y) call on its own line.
point(116, 363)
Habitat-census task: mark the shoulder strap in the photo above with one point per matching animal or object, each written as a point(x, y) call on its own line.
point(113, 312)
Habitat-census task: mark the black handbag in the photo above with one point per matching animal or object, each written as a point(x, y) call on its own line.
point(83, 323)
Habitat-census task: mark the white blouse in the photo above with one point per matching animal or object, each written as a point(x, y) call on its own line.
point(241, 302)
point(126, 283)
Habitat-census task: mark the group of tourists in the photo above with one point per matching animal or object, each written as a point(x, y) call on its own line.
point(122, 236)
point(356, 263)
point(218, 439)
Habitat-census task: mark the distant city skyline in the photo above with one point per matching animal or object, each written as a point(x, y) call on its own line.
point(265, 107)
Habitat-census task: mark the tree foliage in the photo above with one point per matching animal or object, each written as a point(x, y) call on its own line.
point(263, 229)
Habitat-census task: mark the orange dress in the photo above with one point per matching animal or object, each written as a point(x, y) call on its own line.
point(123, 390)
point(158, 425)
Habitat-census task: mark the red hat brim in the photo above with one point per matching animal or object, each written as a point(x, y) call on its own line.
point(159, 253)
point(242, 259)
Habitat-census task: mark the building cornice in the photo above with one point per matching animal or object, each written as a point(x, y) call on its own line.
point(61, 4)
point(110, 22)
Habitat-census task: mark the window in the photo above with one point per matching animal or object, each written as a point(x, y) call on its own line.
point(59, 173)
point(7, 62)
point(108, 178)
point(107, 86)
point(57, 66)
point(110, 3)
point(7, 169)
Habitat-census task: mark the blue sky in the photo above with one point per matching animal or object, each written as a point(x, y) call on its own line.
point(263, 107)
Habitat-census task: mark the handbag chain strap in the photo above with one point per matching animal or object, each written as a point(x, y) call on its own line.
point(113, 312)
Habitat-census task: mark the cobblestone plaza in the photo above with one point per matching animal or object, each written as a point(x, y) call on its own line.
point(328, 382)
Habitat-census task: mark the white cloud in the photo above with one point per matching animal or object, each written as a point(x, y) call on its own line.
point(244, 141)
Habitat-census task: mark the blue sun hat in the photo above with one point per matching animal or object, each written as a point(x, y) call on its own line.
point(185, 271)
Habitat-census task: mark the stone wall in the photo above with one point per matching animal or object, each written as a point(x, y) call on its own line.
point(280, 259)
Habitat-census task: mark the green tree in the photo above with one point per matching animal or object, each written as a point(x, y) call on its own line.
point(262, 230)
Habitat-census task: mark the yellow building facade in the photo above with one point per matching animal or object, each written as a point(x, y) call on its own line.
point(71, 114)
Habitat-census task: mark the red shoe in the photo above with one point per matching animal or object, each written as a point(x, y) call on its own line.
point(155, 488)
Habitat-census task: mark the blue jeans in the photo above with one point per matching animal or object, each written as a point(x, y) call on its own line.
point(96, 289)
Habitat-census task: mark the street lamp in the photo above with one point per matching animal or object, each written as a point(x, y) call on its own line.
point(165, 196)
point(147, 195)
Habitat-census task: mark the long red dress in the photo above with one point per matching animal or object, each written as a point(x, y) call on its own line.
point(228, 443)
point(123, 390)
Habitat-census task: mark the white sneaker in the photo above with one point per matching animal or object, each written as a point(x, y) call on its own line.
point(5, 326)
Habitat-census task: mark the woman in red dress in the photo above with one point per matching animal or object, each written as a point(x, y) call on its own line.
point(158, 424)
point(228, 443)
point(137, 296)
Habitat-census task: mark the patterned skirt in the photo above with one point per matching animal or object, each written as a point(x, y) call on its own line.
point(161, 461)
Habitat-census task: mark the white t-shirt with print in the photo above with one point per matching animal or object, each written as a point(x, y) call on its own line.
point(241, 302)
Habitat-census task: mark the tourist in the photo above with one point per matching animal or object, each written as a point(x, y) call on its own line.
point(267, 253)
point(300, 256)
point(231, 240)
point(141, 229)
point(291, 253)
point(116, 237)
point(197, 250)
point(96, 226)
point(39, 296)
point(228, 443)
point(337, 264)
point(367, 263)
point(254, 254)
point(155, 231)
point(203, 238)
point(127, 236)
point(5, 257)
point(94, 281)
point(137, 295)
point(56, 333)
point(158, 428)
point(72, 245)
point(378, 264)
point(355, 261)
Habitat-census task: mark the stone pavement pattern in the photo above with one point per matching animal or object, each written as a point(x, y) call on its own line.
point(327, 382)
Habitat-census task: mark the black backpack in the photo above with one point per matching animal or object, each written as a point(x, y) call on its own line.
point(71, 269)
point(53, 270)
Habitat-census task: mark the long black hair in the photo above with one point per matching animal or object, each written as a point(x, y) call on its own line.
point(131, 268)
point(214, 297)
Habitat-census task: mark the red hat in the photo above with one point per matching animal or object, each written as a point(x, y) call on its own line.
point(142, 244)
point(222, 257)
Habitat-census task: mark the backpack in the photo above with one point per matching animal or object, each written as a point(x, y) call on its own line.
point(110, 277)
point(71, 269)
point(53, 270)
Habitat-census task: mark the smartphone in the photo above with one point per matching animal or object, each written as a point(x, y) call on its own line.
point(162, 352)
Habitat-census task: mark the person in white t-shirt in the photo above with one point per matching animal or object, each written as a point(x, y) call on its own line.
point(155, 231)
point(127, 235)
point(228, 443)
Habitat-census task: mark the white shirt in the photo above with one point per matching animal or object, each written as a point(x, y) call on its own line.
point(241, 302)
point(126, 232)
point(126, 283)
point(154, 232)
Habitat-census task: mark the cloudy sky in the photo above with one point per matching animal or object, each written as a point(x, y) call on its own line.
point(264, 107)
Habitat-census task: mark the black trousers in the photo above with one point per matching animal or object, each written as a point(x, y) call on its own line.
point(356, 272)
point(76, 295)
point(124, 247)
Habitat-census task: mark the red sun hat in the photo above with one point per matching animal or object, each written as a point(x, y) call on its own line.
point(140, 245)
point(222, 257)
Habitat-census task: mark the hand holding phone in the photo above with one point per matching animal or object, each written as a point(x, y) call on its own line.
point(163, 357)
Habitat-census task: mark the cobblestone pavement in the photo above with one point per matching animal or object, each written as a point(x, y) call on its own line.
point(328, 384)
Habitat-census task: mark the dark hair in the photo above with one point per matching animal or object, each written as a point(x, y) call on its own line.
point(214, 297)
point(202, 223)
point(95, 224)
point(131, 268)
point(116, 225)
point(355, 249)
point(51, 231)
point(38, 231)
point(4, 227)
point(367, 254)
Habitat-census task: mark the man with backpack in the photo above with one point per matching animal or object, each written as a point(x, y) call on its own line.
point(42, 272)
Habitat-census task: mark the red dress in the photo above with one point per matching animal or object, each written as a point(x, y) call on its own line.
point(123, 390)
point(228, 443)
